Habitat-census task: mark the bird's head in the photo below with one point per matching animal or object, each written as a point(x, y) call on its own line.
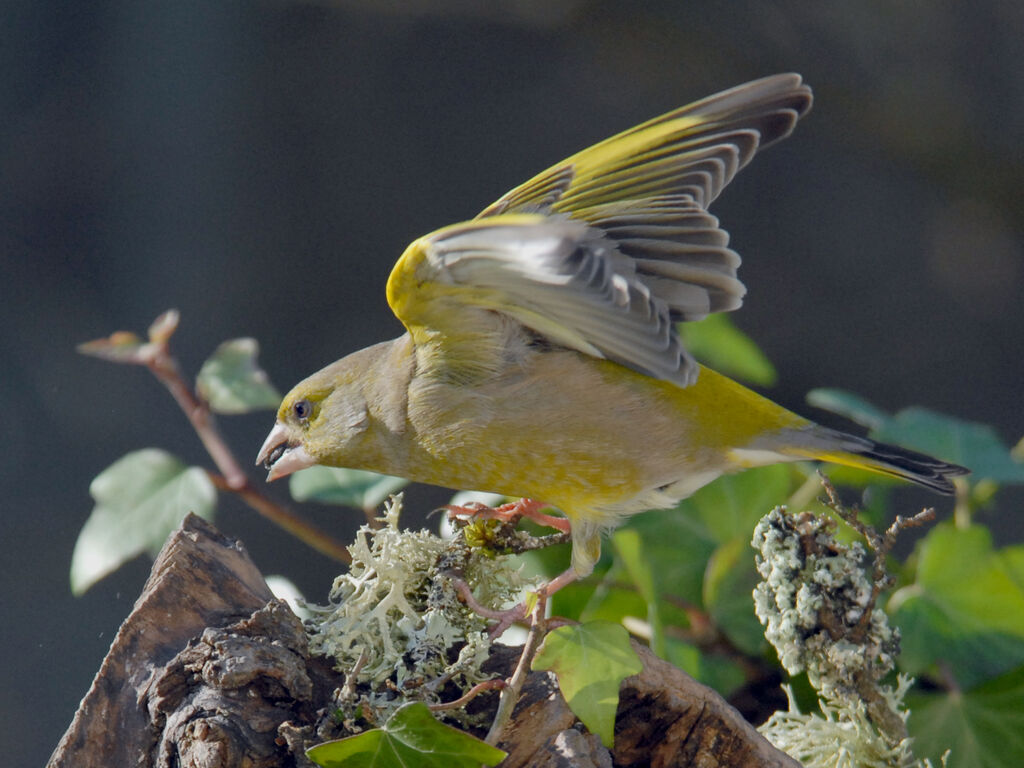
point(320, 421)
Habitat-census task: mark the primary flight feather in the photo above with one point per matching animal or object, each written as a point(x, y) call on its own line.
point(542, 357)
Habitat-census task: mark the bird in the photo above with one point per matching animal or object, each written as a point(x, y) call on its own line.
point(542, 356)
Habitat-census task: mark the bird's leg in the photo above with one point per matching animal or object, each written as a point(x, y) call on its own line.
point(512, 512)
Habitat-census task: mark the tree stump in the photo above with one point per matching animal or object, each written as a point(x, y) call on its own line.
point(210, 671)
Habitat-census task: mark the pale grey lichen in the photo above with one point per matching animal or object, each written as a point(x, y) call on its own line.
point(842, 736)
point(812, 598)
point(395, 625)
point(813, 593)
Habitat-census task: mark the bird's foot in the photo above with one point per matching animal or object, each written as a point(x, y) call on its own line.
point(512, 513)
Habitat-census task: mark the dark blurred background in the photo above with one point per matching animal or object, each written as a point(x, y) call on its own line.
point(260, 166)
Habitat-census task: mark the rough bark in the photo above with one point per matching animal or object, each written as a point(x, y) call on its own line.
point(209, 671)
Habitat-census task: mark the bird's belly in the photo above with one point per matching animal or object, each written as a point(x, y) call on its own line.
point(566, 433)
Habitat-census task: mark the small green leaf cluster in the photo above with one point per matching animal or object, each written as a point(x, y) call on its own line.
point(395, 625)
point(143, 496)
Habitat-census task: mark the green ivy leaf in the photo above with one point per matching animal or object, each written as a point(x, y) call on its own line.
point(612, 599)
point(975, 446)
point(728, 586)
point(848, 405)
point(410, 737)
point(677, 545)
point(350, 487)
point(231, 381)
point(630, 551)
point(731, 506)
point(119, 347)
point(716, 341)
point(140, 499)
point(966, 607)
point(982, 728)
point(590, 662)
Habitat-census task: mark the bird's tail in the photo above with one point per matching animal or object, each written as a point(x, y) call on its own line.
point(825, 444)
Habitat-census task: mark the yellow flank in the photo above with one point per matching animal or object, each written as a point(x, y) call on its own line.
point(542, 357)
point(586, 435)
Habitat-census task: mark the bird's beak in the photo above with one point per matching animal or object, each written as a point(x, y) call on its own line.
point(280, 456)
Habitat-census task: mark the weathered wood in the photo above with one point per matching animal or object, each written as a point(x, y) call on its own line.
point(209, 671)
point(200, 579)
point(666, 718)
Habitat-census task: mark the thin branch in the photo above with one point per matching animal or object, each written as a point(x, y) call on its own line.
point(123, 347)
point(284, 518)
point(158, 360)
point(472, 693)
point(880, 543)
point(466, 595)
point(510, 694)
point(889, 723)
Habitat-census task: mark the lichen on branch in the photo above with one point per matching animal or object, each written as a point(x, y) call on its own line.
point(818, 602)
point(395, 624)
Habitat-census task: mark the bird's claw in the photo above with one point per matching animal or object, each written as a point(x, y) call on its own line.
point(512, 512)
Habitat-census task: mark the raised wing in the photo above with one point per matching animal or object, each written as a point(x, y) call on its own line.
point(693, 151)
point(606, 251)
point(556, 276)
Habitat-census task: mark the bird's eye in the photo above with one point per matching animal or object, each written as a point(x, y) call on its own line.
point(302, 409)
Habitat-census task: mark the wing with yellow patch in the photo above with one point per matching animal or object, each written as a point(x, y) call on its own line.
point(606, 251)
point(693, 151)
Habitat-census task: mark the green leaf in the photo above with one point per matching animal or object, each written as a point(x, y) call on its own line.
point(848, 405)
point(1012, 559)
point(677, 544)
point(975, 446)
point(723, 674)
point(983, 727)
point(731, 506)
point(965, 609)
point(684, 655)
point(119, 347)
point(410, 737)
point(351, 487)
point(629, 548)
point(590, 662)
point(728, 588)
point(140, 499)
point(232, 382)
point(717, 342)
